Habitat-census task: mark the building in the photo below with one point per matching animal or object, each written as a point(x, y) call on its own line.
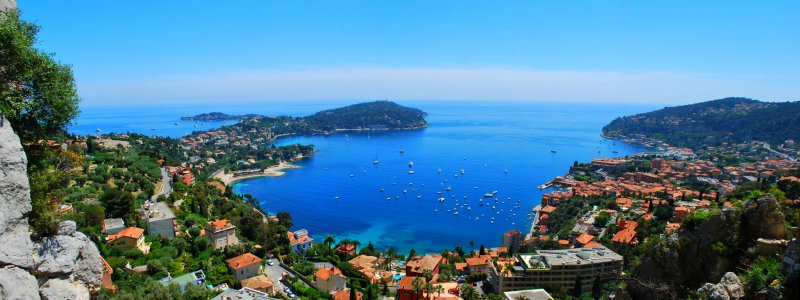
point(244, 266)
point(129, 238)
point(368, 267)
point(221, 233)
point(111, 226)
point(197, 278)
point(345, 295)
point(405, 289)
point(260, 283)
point(243, 294)
point(479, 264)
point(556, 268)
point(329, 279)
point(346, 249)
point(533, 294)
point(511, 240)
point(106, 281)
point(160, 220)
point(300, 241)
point(418, 265)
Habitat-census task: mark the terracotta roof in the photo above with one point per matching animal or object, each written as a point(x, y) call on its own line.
point(584, 239)
point(294, 240)
point(478, 261)
point(130, 232)
point(325, 273)
point(345, 295)
point(625, 236)
point(406, 283)
point(363, 262)
point(592, 245)
point(461, 266)
point(427, 262)
point(242, 261)
point(218, 224)
point(260, 282)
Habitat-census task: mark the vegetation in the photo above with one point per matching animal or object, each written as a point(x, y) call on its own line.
point(730, 120)
point(38, 93)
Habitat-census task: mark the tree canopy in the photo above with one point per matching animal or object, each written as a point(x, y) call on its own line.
point(38, 93)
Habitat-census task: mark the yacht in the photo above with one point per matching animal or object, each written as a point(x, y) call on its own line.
point(410, 171)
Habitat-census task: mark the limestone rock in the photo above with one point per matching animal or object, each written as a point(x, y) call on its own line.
point(729, 287)
point(16, 246)
point(63, 289)
point(763, 218)
point(16, 283)
point(69, 254)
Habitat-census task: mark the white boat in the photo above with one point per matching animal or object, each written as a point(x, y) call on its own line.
point(381, 190)
point(448, 188)
point(462, 171)
point(439, 170)
point(388, 198)
point(455, 213)
point(337, 197)
point(410, 164)
point(404, 191)
point(419, 196)
point(375, 162)
point(410, 171)
point(441, 199)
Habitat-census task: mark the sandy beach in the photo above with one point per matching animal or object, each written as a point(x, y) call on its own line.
point(274, 171)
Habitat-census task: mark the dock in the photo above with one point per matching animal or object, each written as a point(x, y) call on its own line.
point(535, 221)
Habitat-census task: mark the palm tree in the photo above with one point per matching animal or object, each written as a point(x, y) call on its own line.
point(439, 290)
point(468, 292)
point(417, 286)
point(329, 241)
point(429, 289)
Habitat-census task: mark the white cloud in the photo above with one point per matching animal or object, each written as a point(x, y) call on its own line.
point(439, 84)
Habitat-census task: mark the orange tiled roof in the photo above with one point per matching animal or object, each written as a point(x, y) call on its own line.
point(345, 295)
point(325, 273)
point(585, 238)
point(478, 261)
point(130, 232)
point(242, 261)
point(625, 236)
point(592, 244)
point(220, 224)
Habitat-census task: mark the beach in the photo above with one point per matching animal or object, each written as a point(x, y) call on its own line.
point(273, 171)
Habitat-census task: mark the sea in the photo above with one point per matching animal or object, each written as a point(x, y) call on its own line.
point(506, 149)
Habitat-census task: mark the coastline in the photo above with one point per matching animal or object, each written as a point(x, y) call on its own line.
point(273, 171)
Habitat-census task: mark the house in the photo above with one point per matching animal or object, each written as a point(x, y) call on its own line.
point(197, 278)
point(346, 249)
point(300, 241)
point(627, 232)
point(479, 264)
point(329, 280)
point(418, 265)
point(111, 226)
point(260, 283)
point(221, 233)
point(244, 266)
point(129, 238)
point(160, 220)
point(584, 239)
point(366, 265)
point(106, 282)
point(242, 294)
point(345, 295)
point(405, 289)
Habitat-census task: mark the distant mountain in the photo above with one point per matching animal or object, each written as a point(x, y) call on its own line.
point(372, 115)
point(217, 116)
point(714, 122)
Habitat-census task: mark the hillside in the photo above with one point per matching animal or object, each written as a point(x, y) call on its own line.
point(714, 122)
point(216, 116)
point(375, 115)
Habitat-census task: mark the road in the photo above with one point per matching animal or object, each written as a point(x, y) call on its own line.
point(166, 186)
point(782, 155)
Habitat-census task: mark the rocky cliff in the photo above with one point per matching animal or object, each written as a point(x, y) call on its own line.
point(65, 266)
point(707, 252)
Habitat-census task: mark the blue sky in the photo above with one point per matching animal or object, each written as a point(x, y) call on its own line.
point(598, 51)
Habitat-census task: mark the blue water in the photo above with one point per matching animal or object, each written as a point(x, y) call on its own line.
point(484, 139)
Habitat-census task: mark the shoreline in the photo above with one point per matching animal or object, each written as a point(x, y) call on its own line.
point(273, 171)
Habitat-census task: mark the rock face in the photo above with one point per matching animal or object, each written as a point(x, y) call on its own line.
point(729, 287)
point(708, 251)
point(67, 265)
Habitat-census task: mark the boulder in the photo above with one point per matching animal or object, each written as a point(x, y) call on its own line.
point(63, 289)
point(763, 218)
point(729, 287)
point(16, 283)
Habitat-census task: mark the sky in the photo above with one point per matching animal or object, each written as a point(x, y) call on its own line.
point(670, 52)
